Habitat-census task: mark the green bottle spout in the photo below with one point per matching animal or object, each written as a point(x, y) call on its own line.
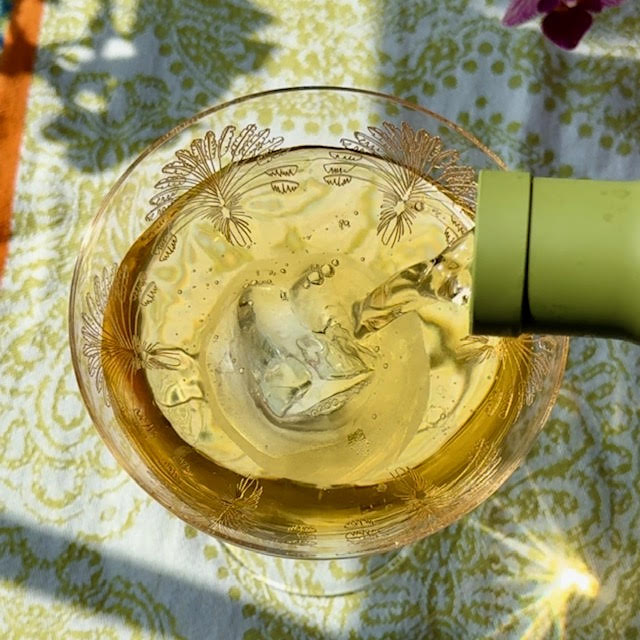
point(499, 267)
point(555, 255)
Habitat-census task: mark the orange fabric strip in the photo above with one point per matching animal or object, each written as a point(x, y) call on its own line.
point(16, 68)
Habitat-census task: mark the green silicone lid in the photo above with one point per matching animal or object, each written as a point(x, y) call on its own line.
point(499, 264)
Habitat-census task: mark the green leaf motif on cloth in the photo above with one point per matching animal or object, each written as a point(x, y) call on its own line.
point(102, 125)
point(76, 578)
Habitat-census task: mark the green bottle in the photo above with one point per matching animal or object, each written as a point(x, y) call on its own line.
point(555, 255)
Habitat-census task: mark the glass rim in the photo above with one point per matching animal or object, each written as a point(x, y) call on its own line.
point(88, 233)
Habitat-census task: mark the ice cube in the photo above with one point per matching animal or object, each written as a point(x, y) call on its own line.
point(296, 372)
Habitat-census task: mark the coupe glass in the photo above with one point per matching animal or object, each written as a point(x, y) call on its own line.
point(362, 135)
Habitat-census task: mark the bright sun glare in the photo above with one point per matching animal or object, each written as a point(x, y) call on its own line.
point(578, 580)
point(557, 574)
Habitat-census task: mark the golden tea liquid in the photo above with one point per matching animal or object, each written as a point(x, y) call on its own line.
point(296, 323)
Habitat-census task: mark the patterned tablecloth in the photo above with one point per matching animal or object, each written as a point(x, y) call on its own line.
point(84, 553)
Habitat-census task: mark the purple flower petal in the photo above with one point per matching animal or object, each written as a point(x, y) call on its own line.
point(567, 27)
point(520, 11)
point(611, 3)
point(594, 6)
point(545, 6)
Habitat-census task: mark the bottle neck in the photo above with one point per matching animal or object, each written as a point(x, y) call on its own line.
point(583, 258)
point(556, 255)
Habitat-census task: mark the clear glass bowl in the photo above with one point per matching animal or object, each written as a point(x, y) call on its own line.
point(251, 511)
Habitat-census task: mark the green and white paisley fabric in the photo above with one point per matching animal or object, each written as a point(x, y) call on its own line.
point(83, 552)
